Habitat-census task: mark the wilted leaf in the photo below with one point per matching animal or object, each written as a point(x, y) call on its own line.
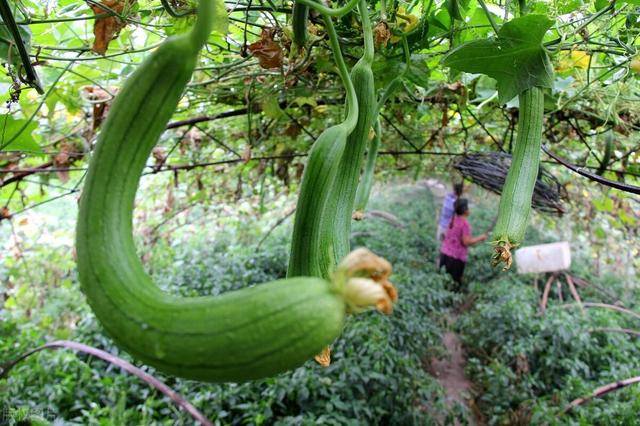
point(99, 99)
point(381, 34)
point(106, 29)
point(5, 213)
point(159, 155)
point(267, 51)
point(293, 130)
point(63, 159)
point(246, 154)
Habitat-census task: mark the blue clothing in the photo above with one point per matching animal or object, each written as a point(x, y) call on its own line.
point(446, 214)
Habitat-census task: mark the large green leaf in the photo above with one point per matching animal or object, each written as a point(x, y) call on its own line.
point(16, 134)
point(516, 58)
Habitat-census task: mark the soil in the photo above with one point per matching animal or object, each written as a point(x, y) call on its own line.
point(449, 369)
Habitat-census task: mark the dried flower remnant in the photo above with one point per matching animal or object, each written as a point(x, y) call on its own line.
point(266, 50)
point(107, 28)
point(364, 277)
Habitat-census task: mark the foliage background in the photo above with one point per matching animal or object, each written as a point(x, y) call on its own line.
point(378, 375)
point(229, 167)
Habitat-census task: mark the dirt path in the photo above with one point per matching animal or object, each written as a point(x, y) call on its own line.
point(449, 370)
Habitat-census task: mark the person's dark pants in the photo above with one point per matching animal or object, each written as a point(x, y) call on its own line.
point(454, 267)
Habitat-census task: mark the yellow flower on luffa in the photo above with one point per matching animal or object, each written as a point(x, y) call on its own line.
point(363, 280)
point(574, 59)
point(405, 22)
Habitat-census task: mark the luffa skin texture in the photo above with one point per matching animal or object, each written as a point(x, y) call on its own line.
point(323, 216)
point(351, 161)
point(314, 229)
point(241, 335)
point(515, 202)
point(299, 17)
point(366, 181)
point(311, 248)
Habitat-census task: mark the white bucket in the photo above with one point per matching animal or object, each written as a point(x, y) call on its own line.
point(543, 258)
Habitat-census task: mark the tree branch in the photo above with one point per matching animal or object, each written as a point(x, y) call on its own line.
point(126, 366)
point(602, 390)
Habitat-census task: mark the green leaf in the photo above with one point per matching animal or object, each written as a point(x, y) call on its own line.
point(457, 8)
point(418, 72)
point(220, 24)
point(568, 6)
point(516, 58)
point(604, 204)
point(305, 100)
point(601, 4)
point(439, 23)
point(626, 218)
point(24, 141)
point(271, 108)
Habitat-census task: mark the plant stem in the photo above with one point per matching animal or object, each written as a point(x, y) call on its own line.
point(584, 24)
point(171, 11)
point(327, 11)
point(367, 32)
point(489, 16)
point(204, 24)
point(352, 102)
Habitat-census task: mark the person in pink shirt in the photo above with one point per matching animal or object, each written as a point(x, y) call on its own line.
point(457, 239)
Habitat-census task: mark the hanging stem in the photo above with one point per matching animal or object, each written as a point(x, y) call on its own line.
point(352, 102)
point(327, 11)
point(204, 23)
point(407, 52)
point(44, 99)
point(171, 11)
point(367, 32)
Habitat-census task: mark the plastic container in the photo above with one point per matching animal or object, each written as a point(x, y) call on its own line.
point(543, 258)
